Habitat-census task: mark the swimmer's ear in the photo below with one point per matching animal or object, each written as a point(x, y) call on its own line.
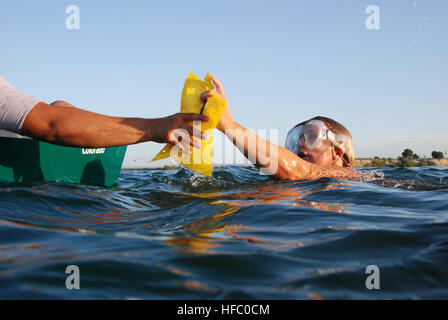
point(338, 155)
point(338, 152)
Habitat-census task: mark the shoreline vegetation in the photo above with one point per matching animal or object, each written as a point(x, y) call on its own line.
point(400, 162)
point(408, 159)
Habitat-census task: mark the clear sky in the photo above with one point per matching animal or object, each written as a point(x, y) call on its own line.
point(281, 62)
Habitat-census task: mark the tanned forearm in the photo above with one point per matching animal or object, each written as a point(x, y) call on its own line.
point(70, 126)
point(75, 127)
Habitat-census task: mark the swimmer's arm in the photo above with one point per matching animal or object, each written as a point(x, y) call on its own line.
point(278, 162)
point(319, 171)
point(263, 154)
point(63, 124)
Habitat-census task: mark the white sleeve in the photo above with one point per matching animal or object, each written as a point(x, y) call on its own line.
point(14, 107)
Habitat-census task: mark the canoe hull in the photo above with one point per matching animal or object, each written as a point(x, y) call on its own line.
point(27, 160)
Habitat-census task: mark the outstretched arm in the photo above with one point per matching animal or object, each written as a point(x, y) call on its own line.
point(274, 160)
point(278, 162)
point(61, 123)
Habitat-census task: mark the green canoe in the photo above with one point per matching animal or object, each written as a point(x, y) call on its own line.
point(25, 160)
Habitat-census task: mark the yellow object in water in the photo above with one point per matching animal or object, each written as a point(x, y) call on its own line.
point(199, 160)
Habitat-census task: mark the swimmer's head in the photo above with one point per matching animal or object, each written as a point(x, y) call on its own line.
point(322, 141)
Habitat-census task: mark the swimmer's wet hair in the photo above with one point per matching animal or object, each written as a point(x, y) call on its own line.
point(337, 128)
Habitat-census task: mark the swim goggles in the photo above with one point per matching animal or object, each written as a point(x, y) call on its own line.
point(312, 134)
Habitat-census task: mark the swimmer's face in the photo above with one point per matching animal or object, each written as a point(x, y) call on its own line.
point(322, 155)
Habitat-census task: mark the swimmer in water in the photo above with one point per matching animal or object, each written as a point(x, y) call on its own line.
point(317, 148)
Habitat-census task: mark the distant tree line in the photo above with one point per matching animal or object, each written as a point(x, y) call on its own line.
point(408, 159)
point(437, 155)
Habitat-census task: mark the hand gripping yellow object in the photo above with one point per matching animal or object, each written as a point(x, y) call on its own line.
point(199, 160)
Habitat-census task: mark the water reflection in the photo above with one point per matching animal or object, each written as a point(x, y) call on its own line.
point(207, 234)
point(161, 220)
point(289, 194)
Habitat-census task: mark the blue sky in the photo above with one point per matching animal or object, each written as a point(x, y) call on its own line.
point(280, 62)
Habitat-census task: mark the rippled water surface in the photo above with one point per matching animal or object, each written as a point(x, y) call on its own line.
point(171, 235)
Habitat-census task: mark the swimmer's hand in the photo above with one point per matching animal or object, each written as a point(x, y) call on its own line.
point(226, 120)
point(175, 130)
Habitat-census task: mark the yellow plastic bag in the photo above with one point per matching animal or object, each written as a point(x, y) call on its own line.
point(199, 160)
